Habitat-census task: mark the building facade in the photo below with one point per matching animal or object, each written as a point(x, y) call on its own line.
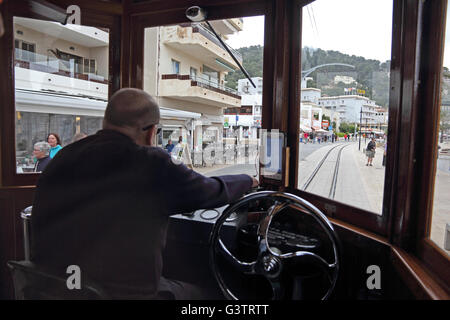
point(185, 68)
point(246, 88)
point(358, 110)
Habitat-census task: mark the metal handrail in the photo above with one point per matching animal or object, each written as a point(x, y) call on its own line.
point(213, 84)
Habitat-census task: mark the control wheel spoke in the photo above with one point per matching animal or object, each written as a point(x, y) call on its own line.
point(244, 267)
point(310, 257)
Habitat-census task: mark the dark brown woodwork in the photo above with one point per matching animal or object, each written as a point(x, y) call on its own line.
point(125, 58)
point(346, 213)
point(421, 282)
point(268, 67)
point(40, 9)
point(295, 94)
point(390, 183)
point(137, 40)
point(402, 231)
point(102, 7)
point(216, 9)
point(436, 260)
point(12, 202)
point(432, 52)
point(359, 231)
point(280, 106)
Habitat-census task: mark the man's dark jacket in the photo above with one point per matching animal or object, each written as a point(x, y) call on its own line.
point(41, 164)
point(103, 204)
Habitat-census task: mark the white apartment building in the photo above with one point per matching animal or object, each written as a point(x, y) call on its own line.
point(345, 108)
point(245, 87)
point(311, 95)
point(184, 69)
point(356, 109)
point(310, 116)
point(244, 121)
point(344, 79)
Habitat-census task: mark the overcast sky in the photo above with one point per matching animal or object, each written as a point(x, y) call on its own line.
point(359, 27)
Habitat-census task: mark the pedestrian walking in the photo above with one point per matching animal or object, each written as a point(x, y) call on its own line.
point(370, 152)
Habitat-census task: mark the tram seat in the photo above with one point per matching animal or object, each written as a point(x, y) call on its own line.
point(35, 282)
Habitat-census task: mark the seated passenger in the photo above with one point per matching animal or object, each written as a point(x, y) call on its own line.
point(41, 152)
point(104, 202)
point(55, 143)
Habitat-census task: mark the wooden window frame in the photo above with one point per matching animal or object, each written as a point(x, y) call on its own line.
point(407, 208)
point(378, 224)
point(429, 97)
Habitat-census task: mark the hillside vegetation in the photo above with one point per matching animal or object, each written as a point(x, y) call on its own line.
point(372, 76)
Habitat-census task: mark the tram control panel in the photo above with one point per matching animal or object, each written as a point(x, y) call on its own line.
point(195, 227)
point(188, 239)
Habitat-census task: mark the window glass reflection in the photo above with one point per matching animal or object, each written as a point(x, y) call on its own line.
point(61, 85)
point(440, 221)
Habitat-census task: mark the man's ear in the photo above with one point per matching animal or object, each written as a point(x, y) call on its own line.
point(151, 136)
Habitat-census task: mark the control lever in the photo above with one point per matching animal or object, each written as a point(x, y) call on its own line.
point(189, 214)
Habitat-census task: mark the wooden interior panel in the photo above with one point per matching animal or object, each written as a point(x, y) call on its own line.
point(12, 202)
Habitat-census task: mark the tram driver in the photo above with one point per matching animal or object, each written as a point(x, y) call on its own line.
point(103, 202)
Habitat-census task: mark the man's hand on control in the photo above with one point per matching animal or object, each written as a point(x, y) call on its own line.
point(255, 182)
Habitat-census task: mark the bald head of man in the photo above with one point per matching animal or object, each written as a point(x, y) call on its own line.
point(134, 113)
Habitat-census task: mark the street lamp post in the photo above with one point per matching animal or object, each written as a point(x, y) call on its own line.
point(365, 136)
point(360, 120)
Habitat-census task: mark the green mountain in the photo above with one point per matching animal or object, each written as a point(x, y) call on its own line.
point(253, 63)
point(372, 76)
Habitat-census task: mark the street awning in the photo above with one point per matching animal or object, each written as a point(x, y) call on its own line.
point(305, 128)
point(54, 103)
point(319, 130)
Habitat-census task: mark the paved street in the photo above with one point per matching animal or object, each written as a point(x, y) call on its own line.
point(357, 185)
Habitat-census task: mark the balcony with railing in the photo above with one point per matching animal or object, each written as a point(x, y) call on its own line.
point(48, 64)
point(198, 89)
point(227, 26)
point(200, 42)
point(46, 73)
point(368, 110)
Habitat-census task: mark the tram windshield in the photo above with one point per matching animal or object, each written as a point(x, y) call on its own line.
point(210, 111)
point(344, 106)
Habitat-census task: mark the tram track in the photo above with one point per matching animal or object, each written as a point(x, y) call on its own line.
point(314, 174)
